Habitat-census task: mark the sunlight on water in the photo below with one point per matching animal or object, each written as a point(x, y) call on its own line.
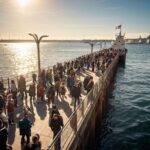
point(17, 58)
point(21, 58)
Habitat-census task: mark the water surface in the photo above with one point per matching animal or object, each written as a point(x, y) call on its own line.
point(127, 124)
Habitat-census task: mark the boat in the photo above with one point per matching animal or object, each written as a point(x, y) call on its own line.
point(119, 43)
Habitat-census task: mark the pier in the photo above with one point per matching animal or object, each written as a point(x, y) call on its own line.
point(79, 125)
point(79, 131)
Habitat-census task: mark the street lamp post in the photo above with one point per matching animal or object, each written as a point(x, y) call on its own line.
point(38, 40)
point(91, 43)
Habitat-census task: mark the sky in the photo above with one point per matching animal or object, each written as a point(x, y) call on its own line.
point(75, 19)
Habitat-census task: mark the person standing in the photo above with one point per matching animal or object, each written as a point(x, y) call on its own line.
point(56, 124)
point(63, 90)
point(57, 87)
point(2, 89)
point(41, 91)
point(93, 66)
point(3, 136)
point(32, 92)
point(76, 93)
point(10, 107)
point(25, 129)
point(51, 95)
point(3, 116)
point(34, 76)
point(49, 77)
point(22, 86)
point(13, 89)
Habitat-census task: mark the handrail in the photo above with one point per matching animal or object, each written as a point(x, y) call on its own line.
point(103, 80)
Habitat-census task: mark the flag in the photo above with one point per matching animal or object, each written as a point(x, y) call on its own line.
point(118, 27)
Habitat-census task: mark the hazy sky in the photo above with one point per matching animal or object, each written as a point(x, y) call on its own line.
point(75, 19)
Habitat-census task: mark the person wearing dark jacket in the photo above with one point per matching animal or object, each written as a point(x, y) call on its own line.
point(22, 86)
point(32, 92)
point(2, 89)
point(76, 93)
point(25, 129)
point(54, 110)
point(34, 76)
point(3, 136)
point(56, 124)
point(2, 102)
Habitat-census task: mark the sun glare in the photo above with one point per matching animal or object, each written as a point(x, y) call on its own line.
point(23, 3)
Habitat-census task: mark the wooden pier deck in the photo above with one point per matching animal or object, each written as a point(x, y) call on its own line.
point(40, 117)
point(80, 125)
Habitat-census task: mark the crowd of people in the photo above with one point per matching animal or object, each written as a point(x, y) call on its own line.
point(50, 85)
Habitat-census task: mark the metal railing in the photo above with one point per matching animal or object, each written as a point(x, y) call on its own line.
point(68, 132)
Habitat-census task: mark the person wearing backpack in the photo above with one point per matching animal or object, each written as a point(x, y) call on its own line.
point(25, 129)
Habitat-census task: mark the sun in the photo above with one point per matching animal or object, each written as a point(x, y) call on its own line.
point(23, 3)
